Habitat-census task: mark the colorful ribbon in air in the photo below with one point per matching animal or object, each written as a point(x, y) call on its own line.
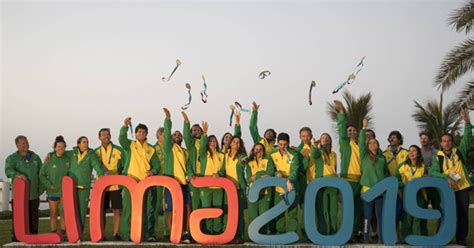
point(186, 106)
point(264, 74)
point(351, 78)
point(204, 92)
point(313, 84)
point(166, 79)
point(131, 129)
point(240, 108)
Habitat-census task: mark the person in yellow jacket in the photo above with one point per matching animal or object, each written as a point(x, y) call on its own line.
point(450, 164)
point(111, 157)
point(413, 167)
point(323, 164)
point(396, 154)
point(350, 164)
point(212, 161)
point(286, 163)
point(141, 162)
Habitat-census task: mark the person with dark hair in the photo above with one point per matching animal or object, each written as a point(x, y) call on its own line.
point(83, 161)
point(269, 136)
point(370, 134)
point(429, 152)
point(192, 136)
point(450, 164)
point(395, 153)
point(111, 157)
point(141, 162)
point(226, 138)
point(233, 169)
point(259, 166)
point(175, 166)
point(374, 170)
point(324, 160)
point(304, 170)
point(412, 168)
point(51, 176)
point(350, 164)
point(212, 161)
point(26, 164)
point(286, 163)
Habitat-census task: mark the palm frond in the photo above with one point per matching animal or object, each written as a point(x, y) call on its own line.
point(462, 19)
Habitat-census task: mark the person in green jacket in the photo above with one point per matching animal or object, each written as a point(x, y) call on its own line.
point(286, 162)
point(191, 136)
point(212, 161)
point(26, 164)
point(259, 166)
point(323, 160)
point(233, 169)
point(51, 176)
point(374, 170)
point(176, 166)
point(111, 157)
point(269, 137)
point(413, 167)
point(141, 162)
point(350, 164)
point(450, 164)
point(226, 138)
point(83, 161)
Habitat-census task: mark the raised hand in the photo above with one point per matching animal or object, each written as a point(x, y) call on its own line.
point(339, 106)
point(237, 117)
point(185, 116)
point(127, 121)
point(255, 107)
point(205, 126)
point(365, 123)
point(167, 113)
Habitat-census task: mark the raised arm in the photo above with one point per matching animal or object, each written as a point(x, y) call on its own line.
point(467, 136)
point(237, 128)
point(123, 140)
point(253, 124)
point(188, 138)
point(362, 144)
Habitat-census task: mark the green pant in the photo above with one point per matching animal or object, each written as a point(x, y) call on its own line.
point(241, 224)
point(258, 208)
point(195, 197)
point(357, 208)
point(326, 210)
point(125, 224)
point(290, 225)
point(433, 197)
point(83, 201)
point(410, 224)
point(154, 210)
point(212, 198)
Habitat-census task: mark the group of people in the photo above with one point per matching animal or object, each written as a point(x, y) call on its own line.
point(362, 163)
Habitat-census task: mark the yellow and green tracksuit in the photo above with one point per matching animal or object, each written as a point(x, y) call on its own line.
point(287, 164)
point(259, 168)
point(156, 200)
point(394, 159)
point(140, 158)
point(237, 132)
point(233, 169)
point(350, 167)
point(81, 171)
point(212, 197)
point(52, 173)
point(406, 172)
point(256, 136)
point(193, 146)
point(371, 173)
point(327, 197)
point(28, 166)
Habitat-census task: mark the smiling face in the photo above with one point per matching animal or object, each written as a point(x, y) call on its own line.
point(269, 135)
point(226, 139)
point(373, 146)
point(258, 150)
point(141, 134)
point(60, 148)
point(235, 144)
point(425, 140)
point(412, 153)
point(213, 143)
point(352, 132)
point(325, 139)
point(283, 146)
point(22, 145)
point(446, 143)
point(394, 140)
point(177, 137)
point(104, 137)
point(306, 137)
point(83, 144)
point(196, 131)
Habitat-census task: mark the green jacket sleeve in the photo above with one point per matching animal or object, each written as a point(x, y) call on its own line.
point(253, 128)
point(270, 167)
point(294, 168)
point(466, 140)
point(10, 168)
point(97, 165)
point(203, 153)
point(188, 139)
point(240, 175)
point(121, 162)
point(399, 176)
point(315, 152)
point(44, 177)
point(123, 140)
point(155, 164)
point(362, 145)
point(237, 130)
point(342, 128)
point(248, 172)
point(222, 171)
point(435, 170)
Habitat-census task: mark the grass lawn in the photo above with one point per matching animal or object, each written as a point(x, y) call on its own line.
point(6, 230)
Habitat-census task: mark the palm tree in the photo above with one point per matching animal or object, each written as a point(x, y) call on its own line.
point(461, 59)
point(436, 120)
point(356, 108)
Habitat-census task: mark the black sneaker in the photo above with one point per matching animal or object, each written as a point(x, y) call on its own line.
point(151, 239)
point(185, 239)
point(117, 237)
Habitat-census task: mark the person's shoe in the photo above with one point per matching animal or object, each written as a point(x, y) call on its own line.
point(151, 239)
point(117, 237)
point(185, 239)
point(462, 242)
